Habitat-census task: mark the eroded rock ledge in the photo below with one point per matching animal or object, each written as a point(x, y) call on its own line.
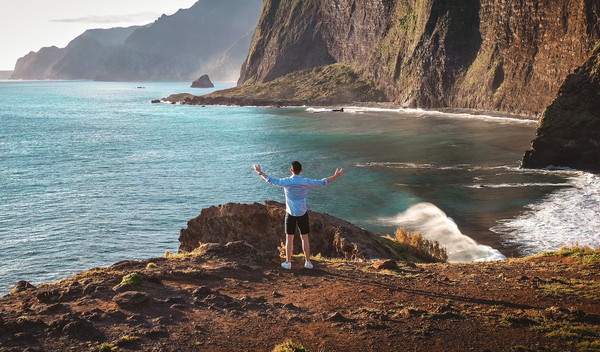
point(262, 226)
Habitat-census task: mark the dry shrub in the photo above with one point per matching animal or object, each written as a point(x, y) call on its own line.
point(415, 245)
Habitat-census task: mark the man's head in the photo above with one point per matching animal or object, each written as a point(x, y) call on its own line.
point(296, 168)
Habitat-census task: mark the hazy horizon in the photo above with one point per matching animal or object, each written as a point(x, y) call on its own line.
point(29, 26)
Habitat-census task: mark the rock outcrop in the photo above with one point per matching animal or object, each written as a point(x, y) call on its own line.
point(509, 56)
point(262, 226)
point(212, 36)
point(327, 85)
point(202, 82)
point(569, 131)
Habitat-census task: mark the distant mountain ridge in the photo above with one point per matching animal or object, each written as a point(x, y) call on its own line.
point(210, 37)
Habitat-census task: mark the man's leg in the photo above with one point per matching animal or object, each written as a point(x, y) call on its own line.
point(305, 247)
point(289, 247)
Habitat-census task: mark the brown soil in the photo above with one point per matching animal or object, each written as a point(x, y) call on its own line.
point(226, 300)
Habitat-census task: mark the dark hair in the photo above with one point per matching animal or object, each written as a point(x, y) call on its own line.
point(296, 167)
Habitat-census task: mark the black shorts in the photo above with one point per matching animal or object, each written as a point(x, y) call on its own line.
point(292, 221)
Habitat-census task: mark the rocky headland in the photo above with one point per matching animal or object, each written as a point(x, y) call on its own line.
point(321, 86)
point(569, 130)
point(232, 295)
point(211, 37)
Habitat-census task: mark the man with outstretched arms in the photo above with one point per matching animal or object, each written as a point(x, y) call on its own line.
point(296, 189)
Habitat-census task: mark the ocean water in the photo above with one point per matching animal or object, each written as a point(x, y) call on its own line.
point(92, 173)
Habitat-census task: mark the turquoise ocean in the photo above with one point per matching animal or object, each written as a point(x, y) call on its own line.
point(92, 173)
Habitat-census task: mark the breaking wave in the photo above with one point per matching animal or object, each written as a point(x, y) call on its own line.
point(435, 225)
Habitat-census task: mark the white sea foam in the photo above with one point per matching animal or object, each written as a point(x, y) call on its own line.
point(519, 185)
point(569, 216)
point(427, 113)
point(435, 225)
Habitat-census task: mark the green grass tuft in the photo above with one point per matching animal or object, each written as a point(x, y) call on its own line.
point(289, 346)
point(131, 280)
point(412, 246)
point(106, 347)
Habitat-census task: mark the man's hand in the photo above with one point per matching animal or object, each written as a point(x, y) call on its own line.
point(338, 172)
point(259, 171)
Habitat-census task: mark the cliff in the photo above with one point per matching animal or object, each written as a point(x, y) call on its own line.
point(210, 37)
point(188, 43)
point(82, 58)
point(569, 130)
point(502, 55)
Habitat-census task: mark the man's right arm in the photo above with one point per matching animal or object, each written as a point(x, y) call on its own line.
point(271, 180)
point(259, 171)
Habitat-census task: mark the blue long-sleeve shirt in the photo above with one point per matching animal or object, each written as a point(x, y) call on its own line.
point(296, 189)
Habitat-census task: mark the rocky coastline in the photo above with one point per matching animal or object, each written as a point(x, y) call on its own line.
point(232, 295)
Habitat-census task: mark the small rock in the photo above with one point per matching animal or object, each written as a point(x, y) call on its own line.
point(202, 82)
point(175, 300)
point(155, 101)
point(385, 264)
point(201, 291)
point(131, 299)
point(53, 308)
point(337, 316)
point(22, 286)
point(276, 294)
point(290, 306)
point(82, 330)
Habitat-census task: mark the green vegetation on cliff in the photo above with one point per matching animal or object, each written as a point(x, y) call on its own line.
point(325, 85)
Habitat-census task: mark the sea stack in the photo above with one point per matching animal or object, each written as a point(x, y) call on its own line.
point(203, 82)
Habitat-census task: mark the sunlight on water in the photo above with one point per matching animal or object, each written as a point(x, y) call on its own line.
point(92, 173)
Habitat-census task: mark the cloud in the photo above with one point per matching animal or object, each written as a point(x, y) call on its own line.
point(129, 18)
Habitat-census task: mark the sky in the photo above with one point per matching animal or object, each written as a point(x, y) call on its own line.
point(28, 25)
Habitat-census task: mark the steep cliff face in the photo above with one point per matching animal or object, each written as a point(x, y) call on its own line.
point(499, 55)
point(211, 37)
point(187, 44)
point(568, 133)
point(82, 58)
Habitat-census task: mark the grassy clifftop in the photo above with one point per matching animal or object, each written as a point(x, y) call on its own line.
point(325, 85)
point(224, 298)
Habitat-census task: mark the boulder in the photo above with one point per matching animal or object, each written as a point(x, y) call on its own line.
point(261, 225)
point(203, 82)
point(385, 264)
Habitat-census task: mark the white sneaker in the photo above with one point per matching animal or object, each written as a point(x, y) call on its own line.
point(308, 265)
point(286, 265)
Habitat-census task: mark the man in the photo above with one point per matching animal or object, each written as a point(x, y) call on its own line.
point(296, 189)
